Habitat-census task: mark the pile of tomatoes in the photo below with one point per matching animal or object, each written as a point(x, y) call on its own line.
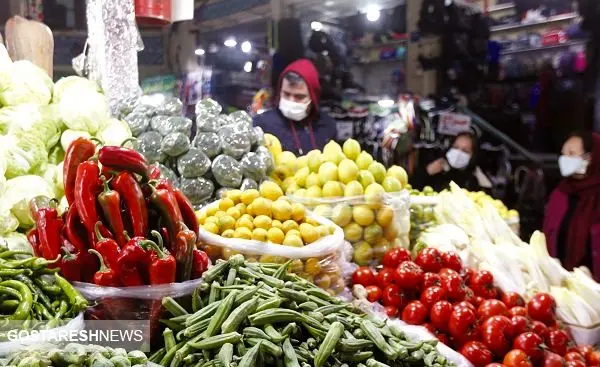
point(464, 309)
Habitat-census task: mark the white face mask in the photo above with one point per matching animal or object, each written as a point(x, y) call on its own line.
point(570, 165)
point(457, 158)
point(293, 110)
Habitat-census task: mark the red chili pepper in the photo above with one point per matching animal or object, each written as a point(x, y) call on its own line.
point(165, 201)
point(164, 232)
point(185, 243)
point(86, 188)
point(74, 230)
point(79, 151)
point(162, 269)
point(200, 263)
point(123, 159)
point(32, 237)
point(131, 192)
point(133, 262)
point(110, 202)
point(49, 226)
point(154, 172)
point(108, 248)
point(187, 211)
point(70, 265)
point(105, 276)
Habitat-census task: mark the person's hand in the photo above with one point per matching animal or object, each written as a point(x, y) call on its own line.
point(436, 167)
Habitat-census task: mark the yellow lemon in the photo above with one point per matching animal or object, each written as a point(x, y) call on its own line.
point(399, 173)
point(373, 233)
point(363, 253)
point(276, 224)
point(293, 232)
point(314, 192)
point(328, 172)
point(323, 210)
point(289, 225)
point(293, 241)
point(341, 214)
point(234, 212)
point(364, 160)
point(211, 227)
point(214, 220)
point(309, 233)
point(351, 149)
point(347, 171)
point(211, 210)
point(220, 214)
point(243, 233)
point(261, 206)
point(288, 183)
point(332, 189)
point(385, 216)
point(300, 193)
point(380, 248)
point(262, 221)
point(374, 195)
point(301, 176)
point(314, 160)
point(245, 222)
point(365, 178)
point(226, 222)
point(235, 195)
point(353, 232)
point(312, 180)
point(275, 235)
point(248, 196)
point(259, 234)
point(323, 231)
point(201, 216)
point(312, 221)
point(225, 204)
point(270, 190)
point(353, 188)
point(227, 253)
point(363, 215)
point(273, 144)
point(228, 233)
point(242, 208)
point(378, 171)
point(390, 232)
point(312, 266)
point(298, 212)
point(391, 184)
point(282, 210)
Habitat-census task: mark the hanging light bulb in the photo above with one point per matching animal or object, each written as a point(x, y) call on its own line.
point(373, 13)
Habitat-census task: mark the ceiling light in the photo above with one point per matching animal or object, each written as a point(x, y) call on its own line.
point(246, 47)
point(316, 26)
point(230, 42)
point(386, 103)
point(248, 66)
point(200, 52)
point(329, 3)
point(373, 13)
point(213, 48)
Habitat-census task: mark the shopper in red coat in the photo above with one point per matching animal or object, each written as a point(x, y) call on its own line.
point(572, 222)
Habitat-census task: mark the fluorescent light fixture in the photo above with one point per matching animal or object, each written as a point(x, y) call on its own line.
point(248, 66)
point(230, 42)
point(386, 103)
point(373, 13)
point(316, 26)
point(246, 47)
point(200, 52)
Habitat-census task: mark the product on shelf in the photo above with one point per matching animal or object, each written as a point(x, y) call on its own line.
point(267, 227)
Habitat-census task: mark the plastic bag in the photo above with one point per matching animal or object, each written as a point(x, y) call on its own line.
point(168, 173)
point(197, 190)
point(194, 163)
point(166, 125)
point(248, 184)
point(257, 136)
point(241, 118)
point(253, 166)
point(149, 144)
point(172, 106)
point(227, 171)
point(264, 153)
point(208, 107)
point(138, 123)
point(208, 143)
point(175, 144)
point(235, 144)
point(372, 225)
point(321, 262)
point(207, 124)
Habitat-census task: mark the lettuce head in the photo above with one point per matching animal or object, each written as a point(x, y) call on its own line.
point(24, 153)
point(41, 121)
point(23, 82)
point(83, 109)
point(114, 132)
point(16, 241)
point(75, 82)
point(18, 193)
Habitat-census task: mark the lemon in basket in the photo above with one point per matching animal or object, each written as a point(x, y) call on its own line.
point(289, 225)
point(298, 212)
point(259, 234)
point(354, 188)
point(332, 189)
point(341, 214)
point(262, 221)
point(308, 233)
point(363, 215)
point(261, 206)
point(282, 210)
point(247, 197)
point(275, 235)
point(351, 149)
point(293, 241)
point(385, 216)
point(353, 232)
point(270, 190)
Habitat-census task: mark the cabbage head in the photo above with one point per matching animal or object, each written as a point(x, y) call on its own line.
point(114, 132)
point(16, 241)
point(68, 136)
point(69, 82)
point(41, 121)
point(24, 153)
point(83, 109)
point(23, 82)
point(18, 193)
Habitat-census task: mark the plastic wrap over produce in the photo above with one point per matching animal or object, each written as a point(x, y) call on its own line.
point(372, 224)
point(114, 42)
point(325, 261)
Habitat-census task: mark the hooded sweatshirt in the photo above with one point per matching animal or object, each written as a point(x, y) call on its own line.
point(314, 131)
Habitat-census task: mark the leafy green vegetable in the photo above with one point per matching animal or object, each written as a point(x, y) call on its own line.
point(68, 136)
point(16, 241)
point(19, 192)
point(114, 132)
point(82, 109)
point(41, 121)
point(24, 153)
point(23, 82)
point(72, 82)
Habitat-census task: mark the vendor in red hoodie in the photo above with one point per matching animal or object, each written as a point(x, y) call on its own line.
point(297, 120)
point(572, 222)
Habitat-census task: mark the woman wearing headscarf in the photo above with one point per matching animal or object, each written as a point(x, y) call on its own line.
point(572, 221)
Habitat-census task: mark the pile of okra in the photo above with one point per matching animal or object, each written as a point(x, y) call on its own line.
point(34, 293)
point(249, 314)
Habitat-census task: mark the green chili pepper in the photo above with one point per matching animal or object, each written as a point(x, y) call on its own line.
point(77, 301)
point(24, 309)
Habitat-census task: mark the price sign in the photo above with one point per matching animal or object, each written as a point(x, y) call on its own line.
point(451, 123)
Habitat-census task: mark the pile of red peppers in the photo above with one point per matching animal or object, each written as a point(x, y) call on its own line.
point(125, 225)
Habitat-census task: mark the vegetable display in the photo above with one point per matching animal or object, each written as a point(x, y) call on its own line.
point(139, 231)
point(76, 355)
point(464, 309)
point(249, 314)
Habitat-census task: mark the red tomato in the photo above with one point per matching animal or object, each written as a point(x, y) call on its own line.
point(391, 311)
point(392, 296)
point(443, 338)
point(491, 307)
point(512, 299)
point(467, 305)
point(439, 314)
point(363, 276)
point(495, 365)
point(540, 329)
point(431, 279)
point(455, 288)
point(541, 307)
point(553, 360)
point(446, 272)
point(373, 293)
point(530, 343)
point(478, 300)
point(430, 260)
point(593, 358)
point(414, 313)
point(466, 274)
point(585, 350)
point(432, 295)
point(429, 326)
point(520, 324)
point(470, 296)
point(482, 283)
point(517, 358)
point(395, 257)
point(522, 311)
point(574, 356)
point(451, 260)
point(409, 275)
point(385, 277)
point(496, 334)
point(575, 364)
point(462, 322)
point(557, 341)
point(476, 353)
